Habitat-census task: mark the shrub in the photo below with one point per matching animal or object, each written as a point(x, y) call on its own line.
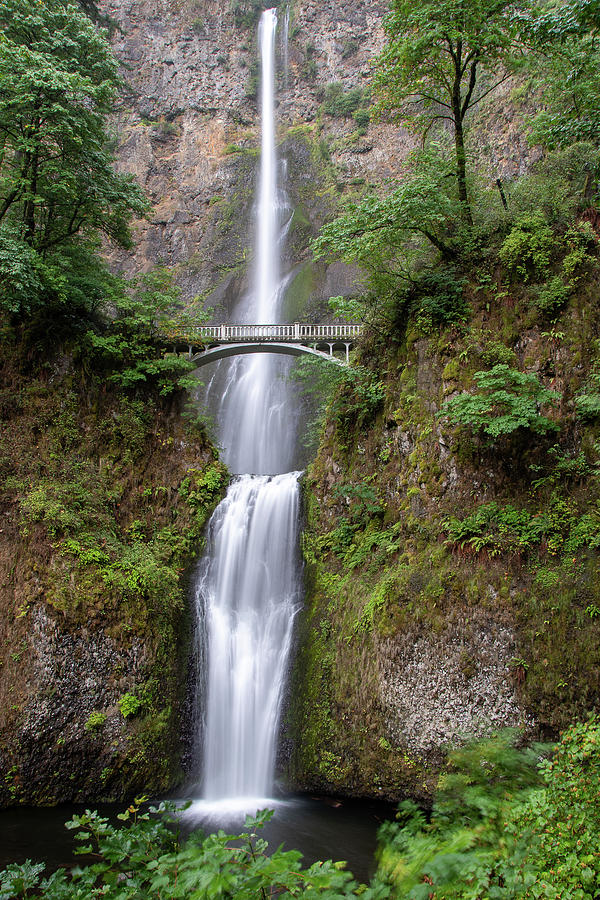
point(362, 117)
point(251, 89)
point(129, 705)
point(439, 299)
point(558, 186)
point(495, 352)
point(350, 48)
point(497, 529)
point(95, 721)
point(341, 103)
point(444, 857)
point(246, 13)
point(527, 249)
point(359, 397)
point(552, 296)
point(554, 838)
point(362, 501)
point(506, 400)
point(587, 402)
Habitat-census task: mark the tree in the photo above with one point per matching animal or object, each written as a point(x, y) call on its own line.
point(418, 206)
point(58, 188)
point(442, 58)
point(129, 350)
point(566, 37)
point(393, 236)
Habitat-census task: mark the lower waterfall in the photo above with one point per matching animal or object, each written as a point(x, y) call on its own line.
point(247, 593)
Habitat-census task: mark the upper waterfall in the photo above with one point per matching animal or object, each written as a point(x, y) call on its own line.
point(268, 274)
point(257, 425)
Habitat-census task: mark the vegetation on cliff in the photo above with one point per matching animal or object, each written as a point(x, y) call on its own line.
point(105, 486)
point(104, 497)
point(453, 531)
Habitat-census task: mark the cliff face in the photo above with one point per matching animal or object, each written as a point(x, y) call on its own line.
point(452, 581)
point(103, 501)
point(189, 132)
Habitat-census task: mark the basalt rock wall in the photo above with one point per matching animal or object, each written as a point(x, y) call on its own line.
point(188, 129)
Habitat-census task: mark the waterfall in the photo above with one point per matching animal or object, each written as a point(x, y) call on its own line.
point(250, 586)
point(285, 31)
point(246, 587)
point(256, 430)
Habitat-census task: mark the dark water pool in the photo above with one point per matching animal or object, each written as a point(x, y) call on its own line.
point(319, 828)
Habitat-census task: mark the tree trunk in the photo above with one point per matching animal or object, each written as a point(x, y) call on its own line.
point(459, 139)
point(29, 211)
point(461, 165)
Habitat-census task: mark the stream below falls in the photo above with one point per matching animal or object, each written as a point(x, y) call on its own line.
point(319, 828)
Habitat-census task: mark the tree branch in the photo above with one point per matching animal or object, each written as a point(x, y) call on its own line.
point(489, 90)
point(470, 89)
point(445, 249)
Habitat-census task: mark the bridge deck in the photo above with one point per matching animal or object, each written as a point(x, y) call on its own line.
point(290, 334)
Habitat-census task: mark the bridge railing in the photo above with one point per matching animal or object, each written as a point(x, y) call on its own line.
point(296, 333)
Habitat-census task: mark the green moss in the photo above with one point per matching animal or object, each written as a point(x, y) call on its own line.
point(298, 293)
point(451, 370)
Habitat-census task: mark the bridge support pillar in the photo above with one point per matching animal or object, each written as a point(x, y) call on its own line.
point(330, 348)
point(347, 353)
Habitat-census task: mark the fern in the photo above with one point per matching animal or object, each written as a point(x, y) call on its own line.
point(505, 400)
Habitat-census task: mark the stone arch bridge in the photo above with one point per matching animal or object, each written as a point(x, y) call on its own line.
point(211, 342)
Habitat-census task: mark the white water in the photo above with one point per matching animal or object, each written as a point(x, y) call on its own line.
point(250, 589)
point(256, 430)
point(247, 588)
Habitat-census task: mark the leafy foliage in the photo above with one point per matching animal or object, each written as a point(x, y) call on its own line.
point(58, 187)
point(497, 529)
point(375, 230)
point(587, 402)
point(558, 185)
point(95, 721)
point(571, 73)
point(439, 299)
point(315, 384)
point(130, 705)
point(560, 529)
point(342, 103)
point(146, 858)
point(505, 400)
point(392, 236)
point(554, 838)
point(362, 502)
point(128, 347)
point(495, 833)
point(432, 68)
point(527, 248)
point(359, 395)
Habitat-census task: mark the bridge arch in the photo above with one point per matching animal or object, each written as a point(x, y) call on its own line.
point(221, 351)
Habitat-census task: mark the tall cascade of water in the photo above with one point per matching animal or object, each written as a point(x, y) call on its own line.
point(256, 429)
point(247, 588)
